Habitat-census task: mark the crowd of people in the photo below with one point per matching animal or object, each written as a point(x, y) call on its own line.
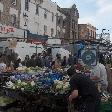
point(13, 61)
point(85, 91)
point(82, 87)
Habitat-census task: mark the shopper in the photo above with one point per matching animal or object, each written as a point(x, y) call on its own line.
point(39, 60)
point(99, 75)
point(64, 62)
point(57, 63)
point(2, 65)
point(32, 61)
point(10, 67)
point(48, 60)
point(26, 61)
point(17, 63)
point(70, 60)
point(84, 93)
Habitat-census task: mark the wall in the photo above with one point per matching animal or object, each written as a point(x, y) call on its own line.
point(35, 23)
point(83, 31)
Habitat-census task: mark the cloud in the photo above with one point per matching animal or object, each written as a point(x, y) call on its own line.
point(64, 3)
point(88, 19)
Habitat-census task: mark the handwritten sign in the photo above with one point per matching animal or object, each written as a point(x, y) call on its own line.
point(6, 29)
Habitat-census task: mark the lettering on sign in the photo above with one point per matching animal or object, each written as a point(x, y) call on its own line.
point(6, 29)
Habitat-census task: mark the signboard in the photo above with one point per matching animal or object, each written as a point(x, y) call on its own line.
point(89, 57)
point(6, 29)
point(9, 32)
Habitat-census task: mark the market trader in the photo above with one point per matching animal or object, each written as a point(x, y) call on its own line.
point(84, 93)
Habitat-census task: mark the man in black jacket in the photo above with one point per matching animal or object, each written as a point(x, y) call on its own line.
point(84, 93)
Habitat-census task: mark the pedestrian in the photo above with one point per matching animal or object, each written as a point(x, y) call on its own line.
point(99, 75)
point(26, 61)
point(32, 61)
point(17, 63)
point(57, 63)
point(2, 65)
point(84, 93)
point(39, 60)
point(64, 61)
point(48, 61)
point(70, 60)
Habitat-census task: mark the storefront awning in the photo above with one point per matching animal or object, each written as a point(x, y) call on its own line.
point(37, 39)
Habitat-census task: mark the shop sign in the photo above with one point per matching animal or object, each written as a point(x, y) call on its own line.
point(9, 32)
point(6, 29)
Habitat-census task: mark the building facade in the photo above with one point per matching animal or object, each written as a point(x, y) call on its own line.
point(60, 23)
point(10, 12)
point(39, 17)
point(71, 23)
point(87, 32)
point(10, 20)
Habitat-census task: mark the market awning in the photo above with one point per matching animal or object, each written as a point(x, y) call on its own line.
point(37, 39)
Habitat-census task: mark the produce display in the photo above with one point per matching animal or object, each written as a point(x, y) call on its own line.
point(39, 80)
point(5, 100)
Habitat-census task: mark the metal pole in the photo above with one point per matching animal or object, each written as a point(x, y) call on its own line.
point(36, 49)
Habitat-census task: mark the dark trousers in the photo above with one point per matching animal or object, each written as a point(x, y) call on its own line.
point(83, 105)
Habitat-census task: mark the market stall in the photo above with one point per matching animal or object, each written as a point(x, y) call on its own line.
point(43, 90)
point(38, 89)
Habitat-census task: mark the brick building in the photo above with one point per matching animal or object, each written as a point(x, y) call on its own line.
point(10, 12)
point(71, 23)
point(87, 32)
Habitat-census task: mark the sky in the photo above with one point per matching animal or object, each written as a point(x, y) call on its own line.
point(95, 12)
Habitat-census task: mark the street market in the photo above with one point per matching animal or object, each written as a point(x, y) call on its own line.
point(55, 56)
point(46, 88)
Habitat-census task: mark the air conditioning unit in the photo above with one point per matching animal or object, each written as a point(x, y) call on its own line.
point(25, 15)
point(13, 2)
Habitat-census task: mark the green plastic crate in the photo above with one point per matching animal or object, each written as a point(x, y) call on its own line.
point(106, 107)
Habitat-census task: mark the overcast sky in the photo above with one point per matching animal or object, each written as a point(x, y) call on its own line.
point(96, 12)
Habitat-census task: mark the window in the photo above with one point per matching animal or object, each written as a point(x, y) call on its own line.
point(59, 20)
point(73, 34)
point(45, 29)
point(52, 16)
point(63, 24)
point(13, 20)
point(91, 33)
point(37, 27)
point(45, 14)
point(14, 2)
point(0, 15)
point(26, 5)
point(52, 32)
point(58, 34)
point(72, 24)
point(37, 9)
